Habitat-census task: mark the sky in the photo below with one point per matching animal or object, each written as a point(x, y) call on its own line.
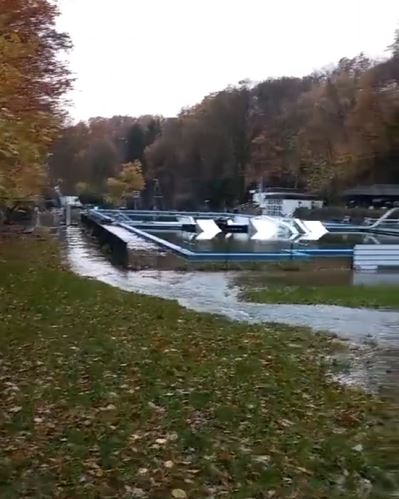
point(135, 57)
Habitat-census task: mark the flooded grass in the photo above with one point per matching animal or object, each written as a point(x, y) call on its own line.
point(113, 394)
point(294, 275)
point(355, 297)
point(314, 288)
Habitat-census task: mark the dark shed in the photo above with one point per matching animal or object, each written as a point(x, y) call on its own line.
point(377, 195)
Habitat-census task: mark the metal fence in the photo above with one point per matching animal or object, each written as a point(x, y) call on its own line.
point(371, 257)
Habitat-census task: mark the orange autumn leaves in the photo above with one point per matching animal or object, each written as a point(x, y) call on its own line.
point(32, 82)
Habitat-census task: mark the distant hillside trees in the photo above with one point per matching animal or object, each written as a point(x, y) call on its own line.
point(322, 132)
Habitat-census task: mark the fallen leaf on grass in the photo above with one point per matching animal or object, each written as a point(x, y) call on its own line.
point(15, 409)
point(285, 423)
point(262, 459)
point(179, 494)
point(109, 407)
point(138, 493)
point(304, 470)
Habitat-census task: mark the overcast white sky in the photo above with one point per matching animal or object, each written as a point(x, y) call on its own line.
point(156, 56)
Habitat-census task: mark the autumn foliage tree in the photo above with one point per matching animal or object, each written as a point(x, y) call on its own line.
point(126, 184)
point(33, 80)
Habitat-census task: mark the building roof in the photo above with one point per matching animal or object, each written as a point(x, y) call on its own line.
point(280, 189)
point(285, 193)
point(375, 190)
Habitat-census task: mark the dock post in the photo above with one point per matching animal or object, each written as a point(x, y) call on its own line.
point(68, 214)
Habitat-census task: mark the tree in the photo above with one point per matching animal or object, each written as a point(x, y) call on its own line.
point(89, 194)
point(153, 131)
point(102, 160)
point(93, 152)
point(135, 143)
point(69, 161)
point(126, 184)
point(32, 82)
point(395, 45)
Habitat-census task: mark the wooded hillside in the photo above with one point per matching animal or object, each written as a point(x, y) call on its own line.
point(322, 132)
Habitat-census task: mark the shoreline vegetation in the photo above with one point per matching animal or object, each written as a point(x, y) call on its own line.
point(381, 297)
point(114, 394)
point(313, 285)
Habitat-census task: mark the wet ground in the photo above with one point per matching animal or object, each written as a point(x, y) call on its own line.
point(317, 274)
point(374, 334)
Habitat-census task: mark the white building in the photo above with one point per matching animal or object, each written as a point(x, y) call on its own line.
point(72, 201)
point(283, 202)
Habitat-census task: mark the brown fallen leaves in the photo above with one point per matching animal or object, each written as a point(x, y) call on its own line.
point(92, 409)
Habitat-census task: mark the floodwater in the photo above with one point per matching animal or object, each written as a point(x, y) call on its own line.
point(374, 333)
point(226, 243)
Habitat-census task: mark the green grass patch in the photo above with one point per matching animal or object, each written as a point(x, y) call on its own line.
point(346, 296)
point(112, 394)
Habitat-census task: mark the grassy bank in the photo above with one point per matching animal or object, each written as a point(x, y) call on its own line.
point(315, 287)
point(346, 296)
point(110, 394)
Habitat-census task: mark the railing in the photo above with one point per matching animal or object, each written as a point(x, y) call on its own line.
point(146, 214)
point(371, 257)
point(389, 221)
point(165, 219)
point(385, 218)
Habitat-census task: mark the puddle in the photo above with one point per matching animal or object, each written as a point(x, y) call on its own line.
point(375, 332)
